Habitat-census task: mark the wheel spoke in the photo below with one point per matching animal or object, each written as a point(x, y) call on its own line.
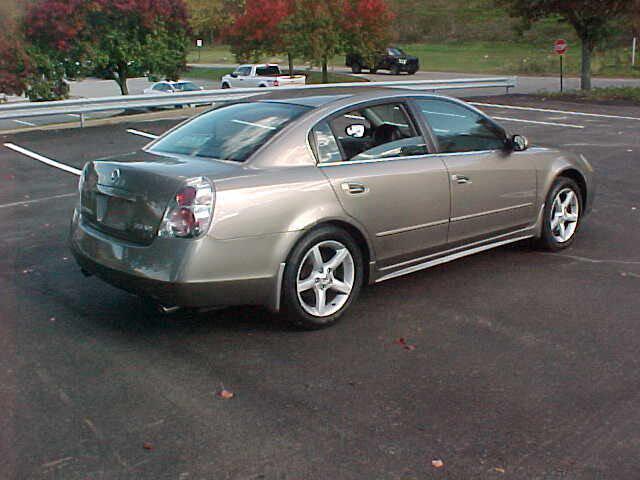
point(571, 217)
point(337, 259)
point(554, 221)
point(568, 199)
point(316, 257)
point(562, 230)
point(340, 286)
point(321, 300)
point(306, 284)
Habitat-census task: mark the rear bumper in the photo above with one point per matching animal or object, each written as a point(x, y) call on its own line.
point(186, 273)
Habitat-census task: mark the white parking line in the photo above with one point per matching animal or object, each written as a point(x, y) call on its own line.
point(40, 158)
point(537, 123)
point(141, 133)
point(37, 200)
point(22, 122)
point(546, 110)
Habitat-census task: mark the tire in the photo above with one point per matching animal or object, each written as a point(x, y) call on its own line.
point(412, 71)
point(373, 71)
point(395, 70)
point(356, 68)
point(563, 201)
point(301, 307)
point(225, 86)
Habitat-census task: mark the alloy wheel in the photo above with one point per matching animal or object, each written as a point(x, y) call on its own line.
point(325, 278)
point(565, 212)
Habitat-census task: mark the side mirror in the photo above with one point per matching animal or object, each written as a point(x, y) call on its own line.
point(519, 143)
point(234, 75)
point(355, 130)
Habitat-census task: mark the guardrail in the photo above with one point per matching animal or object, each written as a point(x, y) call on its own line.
point(81, 107)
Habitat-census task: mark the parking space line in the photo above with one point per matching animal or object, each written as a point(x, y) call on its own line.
point(141, 133)
point(22, 122)
point(520, 120)
point(37, 200)
point(546, 110)
point(45, 160)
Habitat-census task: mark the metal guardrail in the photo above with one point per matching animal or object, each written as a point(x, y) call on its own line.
point(81, 107)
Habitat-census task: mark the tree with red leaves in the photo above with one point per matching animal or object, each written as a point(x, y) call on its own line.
point(367, 27)
point(259, 30)
point(119, 37)
point(15, 64)
point(591, 19)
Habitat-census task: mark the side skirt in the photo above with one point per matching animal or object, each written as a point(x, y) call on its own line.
point(453, 256)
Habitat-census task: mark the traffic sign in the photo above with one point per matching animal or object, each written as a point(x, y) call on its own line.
point(561, 47)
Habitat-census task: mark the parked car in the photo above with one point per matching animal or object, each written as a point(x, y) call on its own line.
point(393, 59)
point(295, 204)
point(172, 87)
point(260, 75)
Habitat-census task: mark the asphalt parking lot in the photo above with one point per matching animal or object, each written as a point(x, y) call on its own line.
point(525, 366)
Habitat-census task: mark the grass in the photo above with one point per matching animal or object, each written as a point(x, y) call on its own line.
point(510, 58)
point(616, 94)
point(313, 77)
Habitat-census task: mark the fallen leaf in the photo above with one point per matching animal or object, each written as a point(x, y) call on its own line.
point(403, 343)
point(437, 463)
point(225, 394)
point(499, 469)
point(147, 446)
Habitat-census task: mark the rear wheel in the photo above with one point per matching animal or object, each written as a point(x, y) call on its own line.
point(561, 216)
point(395, 70)
point(322, 278)
point(412, 71)
point(356, 68)
point(225, 85)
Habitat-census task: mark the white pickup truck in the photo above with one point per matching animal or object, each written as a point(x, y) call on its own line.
point(260, 75)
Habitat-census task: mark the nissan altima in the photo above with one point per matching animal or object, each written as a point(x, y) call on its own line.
point(295, 204)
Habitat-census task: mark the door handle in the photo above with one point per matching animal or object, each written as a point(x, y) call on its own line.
point(354, 188)
point(461, 179)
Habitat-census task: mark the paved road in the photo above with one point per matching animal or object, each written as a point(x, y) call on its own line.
point(526, 364)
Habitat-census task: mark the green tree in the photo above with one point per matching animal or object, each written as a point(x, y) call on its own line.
point(119, 37)
point(210, 18)
point(591, 19)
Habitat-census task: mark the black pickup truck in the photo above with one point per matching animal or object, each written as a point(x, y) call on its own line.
point(393, 59)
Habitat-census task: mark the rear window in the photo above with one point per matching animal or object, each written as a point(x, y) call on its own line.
point(270, 71)
point(186, 87)
point(231, 132)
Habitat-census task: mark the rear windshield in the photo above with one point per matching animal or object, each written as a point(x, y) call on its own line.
point(231, 132)
point(270, 71)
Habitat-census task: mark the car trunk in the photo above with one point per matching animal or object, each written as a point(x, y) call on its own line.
point(126, 198)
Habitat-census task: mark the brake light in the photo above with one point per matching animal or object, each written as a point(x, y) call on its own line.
point(276, 83)
point(190, 211)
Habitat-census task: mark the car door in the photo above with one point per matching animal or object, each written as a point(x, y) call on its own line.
point(242, 76)
point(377, 161)
point(493, 189)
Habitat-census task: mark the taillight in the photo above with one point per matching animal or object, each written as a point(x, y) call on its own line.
point(276, 83)
point(190, 211)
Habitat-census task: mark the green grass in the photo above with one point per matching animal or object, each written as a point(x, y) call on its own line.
point(482, 57)
point(621, 94)
point(313, 77)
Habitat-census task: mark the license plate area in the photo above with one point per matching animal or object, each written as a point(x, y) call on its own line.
point(113, 212)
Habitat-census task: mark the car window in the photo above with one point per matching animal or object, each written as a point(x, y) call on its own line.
point(243, 71)
point(376, 132)
point(231, 132)
point(325, 142)
point(460, 129)
point(162, 87)
point(187, 87)
point(268, 71)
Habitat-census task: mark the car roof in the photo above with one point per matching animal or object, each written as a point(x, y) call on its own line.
point(313, 101)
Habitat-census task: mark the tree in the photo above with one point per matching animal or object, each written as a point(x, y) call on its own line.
point(117, 36)
point(15, 64)
point(366, 27)
point(210, 18)
point(591, 20)
point(315, 31)
point(635, 18)
point(261, 29)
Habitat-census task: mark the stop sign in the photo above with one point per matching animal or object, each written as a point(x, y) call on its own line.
point(561, 47)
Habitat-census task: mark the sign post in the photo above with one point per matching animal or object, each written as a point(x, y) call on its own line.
point(633, 51)
point(560, 48)
point(199, 46)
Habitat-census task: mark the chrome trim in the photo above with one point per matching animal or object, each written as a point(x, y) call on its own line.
point(449, 258)
point(414, 227)
point(280, 277)
point(372, 160)
point(426, 257)
point(491, 212)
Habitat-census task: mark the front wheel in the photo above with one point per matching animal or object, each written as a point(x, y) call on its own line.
point(356, 68)
point(561, 216)
point(395, 70)
point(322, 278)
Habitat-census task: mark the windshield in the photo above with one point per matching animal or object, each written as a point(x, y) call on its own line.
point(396, 52)
point(231, 132)
point(186, 87)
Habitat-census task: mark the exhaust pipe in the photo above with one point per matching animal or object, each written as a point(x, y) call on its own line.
point(168, 310)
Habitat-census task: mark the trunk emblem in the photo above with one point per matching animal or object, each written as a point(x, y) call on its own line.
point(115, 175)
